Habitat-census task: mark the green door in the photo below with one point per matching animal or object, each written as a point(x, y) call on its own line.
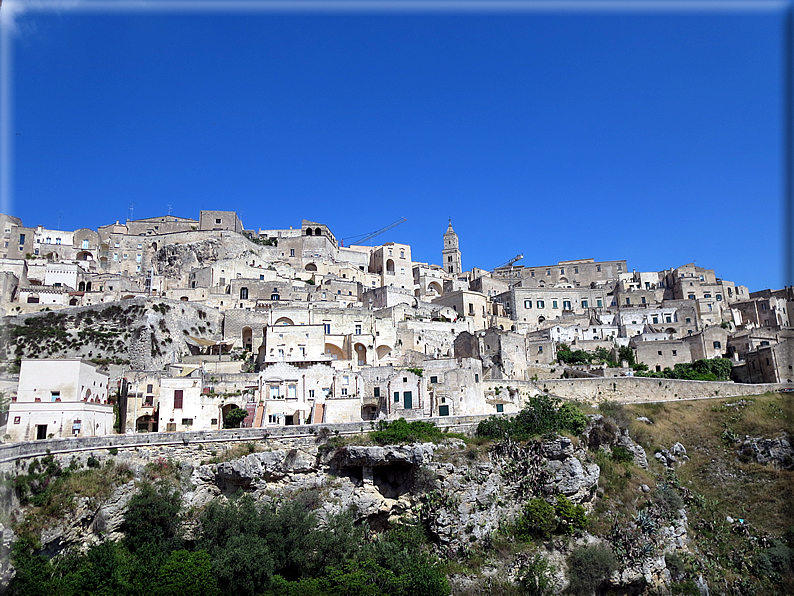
point(443, 410)
point(407, 400)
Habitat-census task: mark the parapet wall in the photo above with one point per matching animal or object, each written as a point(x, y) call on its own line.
point(642, 389)
point(190, 440)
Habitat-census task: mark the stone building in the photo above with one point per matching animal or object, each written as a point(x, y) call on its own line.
point(59, 399)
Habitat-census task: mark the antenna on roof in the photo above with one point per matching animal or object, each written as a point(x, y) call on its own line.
point(169, 210)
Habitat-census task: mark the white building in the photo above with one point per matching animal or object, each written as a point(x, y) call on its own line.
point(60, 398)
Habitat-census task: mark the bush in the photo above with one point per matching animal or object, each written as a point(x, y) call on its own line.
point(569, 516)
point(535, 577)
point(536, 520)
point(401, 431)
point(588, 567)
point(622, 455)
point(541, 415)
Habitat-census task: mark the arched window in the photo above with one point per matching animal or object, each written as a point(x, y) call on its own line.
point(274, 297)
point(243, 293)
point(88, 286)
point(81, 286)
point(308, 231)
point(318, 232)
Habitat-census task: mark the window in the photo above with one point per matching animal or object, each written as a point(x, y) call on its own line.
point(598, 268)
point(707, 295)
point(292, 252)
point(500, 408)
point(540, 304)
point(281, 353)
point(275, 391)
point(22, 238)
point(214, 421)
point(584, 303)
point(217, 221)
point(688, 320)
point(376, 392)
point(566, 305)
point(178, 396)
point(274, 296)
point(691, 296)
point(149, 388)
point(243, 293)
point(434, 379)
point(345, 380)
point(628, 300)
point(719, 297)
point(358, 329)
point(562, 271)
point(675, 352)
point(548, 271)
point(660, 352)
point(655, 319)
point(717, 345)
point(137, 258)
point(344, 390)
point(327, 328)
point(292, 391)
point(85, 243)
point(55, 395)
point(527, 303)
point(764, 306)
point(476, 378)
point(311, 393)
point(187, 422)
point(396, 396)
point(540, 349)
point(471, 308)
point(554, 304)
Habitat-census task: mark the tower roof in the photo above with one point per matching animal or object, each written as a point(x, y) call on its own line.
point(449, 229)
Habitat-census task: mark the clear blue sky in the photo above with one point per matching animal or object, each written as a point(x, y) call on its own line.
point(655, 138)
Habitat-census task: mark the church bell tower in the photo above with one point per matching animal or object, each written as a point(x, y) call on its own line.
point(450, 255)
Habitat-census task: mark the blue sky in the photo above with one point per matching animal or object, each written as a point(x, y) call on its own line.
point(650, 137)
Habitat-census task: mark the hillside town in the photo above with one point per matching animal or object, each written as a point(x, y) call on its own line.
point(199, 324)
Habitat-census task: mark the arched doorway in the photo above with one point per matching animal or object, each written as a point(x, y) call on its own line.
point(248, 339)
point(284, 321)
point(311, 267)
point(390, 266)
point(146, 424)
point(435, 287)
point(361, 354)
point(383, 352)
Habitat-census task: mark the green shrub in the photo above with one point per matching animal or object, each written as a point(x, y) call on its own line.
point(535, 576)
point(588, 567)
point(537, 520)
point(569, 516)
point(400, 431)
point(622, 455)
point(541, 415)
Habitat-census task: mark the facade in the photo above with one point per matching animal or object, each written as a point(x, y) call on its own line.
point(59, 399)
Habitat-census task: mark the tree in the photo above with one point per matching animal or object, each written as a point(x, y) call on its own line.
point(186, 574)
point(151, 523)
point(234, 417)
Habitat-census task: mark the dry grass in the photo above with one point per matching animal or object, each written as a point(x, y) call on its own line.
point(760, 494)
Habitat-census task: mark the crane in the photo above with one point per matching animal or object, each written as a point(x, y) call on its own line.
point(510, 262)
point(364, 237)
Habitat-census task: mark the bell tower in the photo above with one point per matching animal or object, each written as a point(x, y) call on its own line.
point(450, 255)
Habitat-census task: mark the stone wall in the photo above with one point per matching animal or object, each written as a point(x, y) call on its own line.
point(640, 389)
point(177, 442)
